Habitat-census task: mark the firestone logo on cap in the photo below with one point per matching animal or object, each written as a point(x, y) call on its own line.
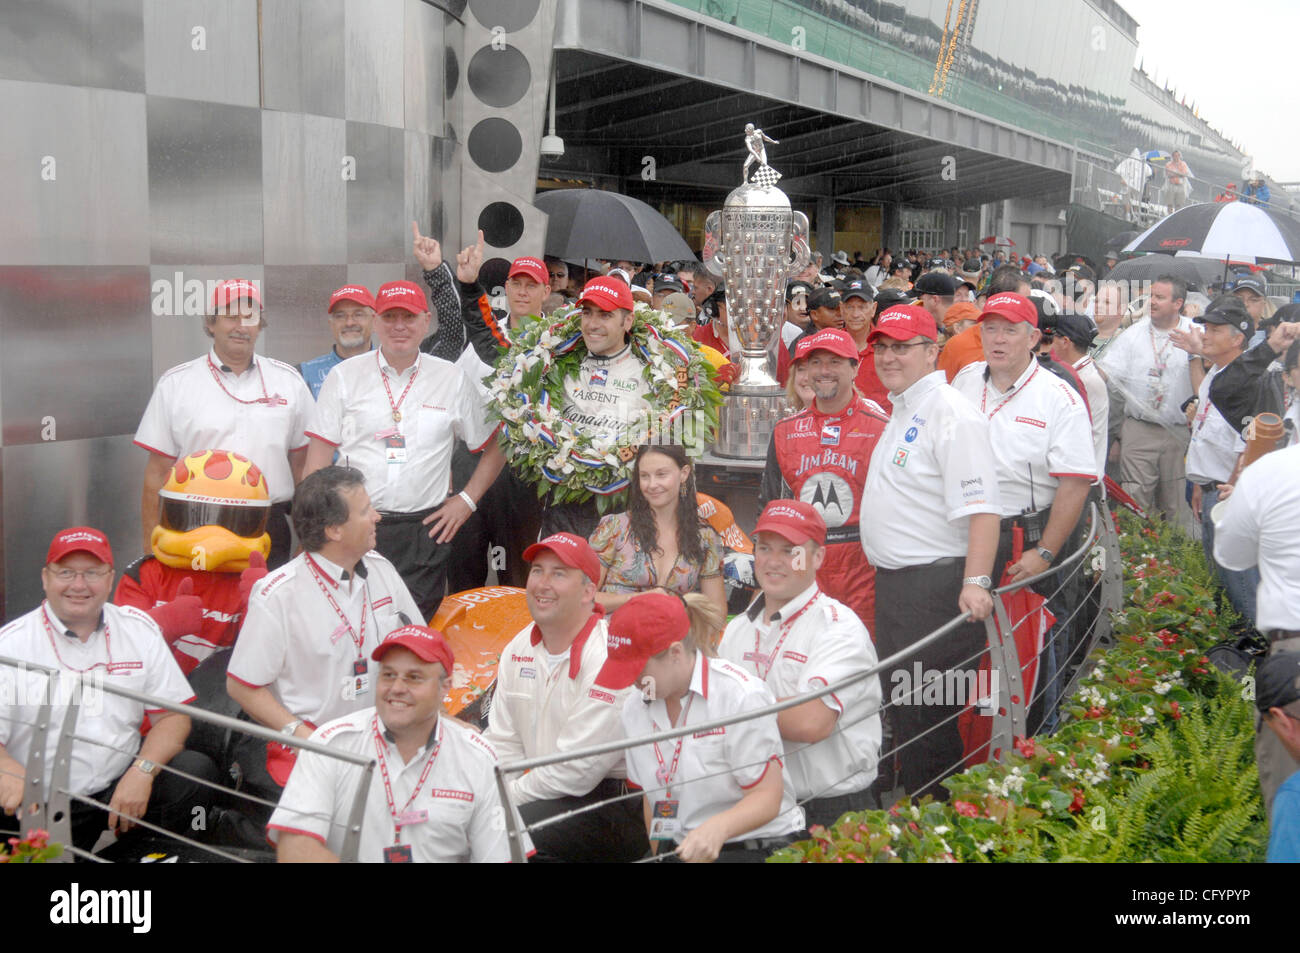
point(80, 537)
point(534, 268)
point(781, 509)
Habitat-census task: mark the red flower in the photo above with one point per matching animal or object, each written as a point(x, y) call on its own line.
point(1175, 710)
point(965, 809)
point(1096, 712)
point(1025, 746)
point(1077, 804)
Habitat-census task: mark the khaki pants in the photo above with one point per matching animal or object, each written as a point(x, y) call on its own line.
point(1152, 468)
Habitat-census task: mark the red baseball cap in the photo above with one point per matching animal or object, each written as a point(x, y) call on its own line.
point(534, 268)
point(1011, 306)
point(608, 294)
point(231, 290)
point(903, 322)
point(793, 520)
point(642, 627)
point(428, 644)
point(406, 295)
point(358, 294)
point(79, 539)
point(839, 343)
point(571, 550)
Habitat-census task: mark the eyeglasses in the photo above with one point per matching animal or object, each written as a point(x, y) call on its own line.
point(898, 349)
point(90, 575)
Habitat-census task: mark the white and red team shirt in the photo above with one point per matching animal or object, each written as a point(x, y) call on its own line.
point(126, 651)
point(543, 706)
point(295, 640)
point(260, 414)
point(223, 605)
point(710, 771)
point(608, 395)
point(458, 794)
point(1094, 388)
point(811, 642)
point(1039, 430)
point(1215, 445)
point(354, 414)
point(932, 471)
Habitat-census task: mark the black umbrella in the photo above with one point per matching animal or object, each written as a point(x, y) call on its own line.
point(591, 223)
point(1223, 230)
point(1199, 273)
point(1122, 239)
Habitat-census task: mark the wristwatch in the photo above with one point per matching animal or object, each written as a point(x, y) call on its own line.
point(148, 767)
point(984, 582)
point(291, 728)
point(1046, 553)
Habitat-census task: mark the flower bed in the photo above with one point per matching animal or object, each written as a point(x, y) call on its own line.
point(1154, 762)
point(34, 848)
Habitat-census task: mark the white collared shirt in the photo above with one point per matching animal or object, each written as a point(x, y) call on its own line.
point(1257, 527)
point(444, 402)
point(1215, 446)
point(824, 643)
point(1039, 431)
point(1153, 378)
point(715, 768)
point(542, 708)
point(933, 468)
point(127, 650)
point(1094, 385)
point(295, 643)
point(190, 411)
point(465, 822)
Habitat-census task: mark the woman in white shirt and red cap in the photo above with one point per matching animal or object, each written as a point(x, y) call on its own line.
point(716, 794)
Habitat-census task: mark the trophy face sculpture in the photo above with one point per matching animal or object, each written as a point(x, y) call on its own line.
point(755, 243)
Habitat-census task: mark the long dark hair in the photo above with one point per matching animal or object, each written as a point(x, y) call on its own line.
point(642, 517)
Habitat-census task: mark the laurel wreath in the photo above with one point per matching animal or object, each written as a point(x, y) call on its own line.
point(574, 465)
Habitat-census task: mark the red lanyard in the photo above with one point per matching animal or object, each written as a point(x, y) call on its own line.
point(984, 396)
point(358, 640)
point(54, 644)
point(763, 663)
point(400, 818)
point(1159, 358)
point(264, 399)
point(666, 773)
point(397, 413)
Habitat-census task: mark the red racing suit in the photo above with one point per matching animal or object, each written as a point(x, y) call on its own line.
point(148, 583)
point(822, 459)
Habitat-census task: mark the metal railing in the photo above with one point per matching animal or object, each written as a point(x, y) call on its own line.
point(1097, 555)
point(66, 690)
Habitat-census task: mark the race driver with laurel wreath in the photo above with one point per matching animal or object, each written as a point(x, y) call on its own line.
point(580, 390)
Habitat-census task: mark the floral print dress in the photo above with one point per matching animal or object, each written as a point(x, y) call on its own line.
point(629, 569)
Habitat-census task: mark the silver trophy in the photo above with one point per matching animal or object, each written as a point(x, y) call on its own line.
point(755, 243)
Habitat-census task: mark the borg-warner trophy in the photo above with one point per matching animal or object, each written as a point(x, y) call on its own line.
point(755, 243)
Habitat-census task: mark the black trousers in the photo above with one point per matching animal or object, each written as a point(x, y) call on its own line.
point(404, 540)
point(612, 834)
point(580, 519)
point(911, 603)
point(277, 525)
point(171, 804)
point(507, 522)
point(827, 810)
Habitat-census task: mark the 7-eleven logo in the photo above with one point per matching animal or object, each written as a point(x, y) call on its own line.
point(900, 457)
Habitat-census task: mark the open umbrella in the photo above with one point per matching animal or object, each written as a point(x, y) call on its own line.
point(1231, 230)
point(1199, 273)
point(1156, 155)
point(1122, 239)
point(997, 240)
point(591, 223)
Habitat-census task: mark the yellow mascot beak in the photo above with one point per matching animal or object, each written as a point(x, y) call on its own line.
point(206, 549)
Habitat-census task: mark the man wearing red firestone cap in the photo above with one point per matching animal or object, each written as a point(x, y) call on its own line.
point(229, 398)
point(393, 415)
point(1041, 436)
point(546, 701)
point(77, 631)
point(352, 313)
point(932, 536)
point(797, 639)
point(606, 396)
point(820, 456)
point(433, 797)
